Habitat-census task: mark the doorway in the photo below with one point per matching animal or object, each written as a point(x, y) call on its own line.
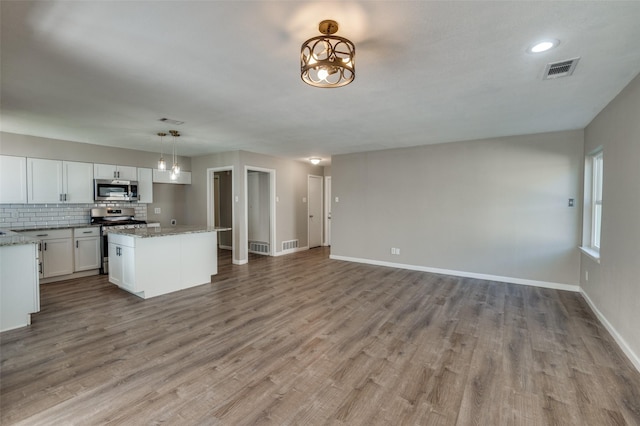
point(220, 206)
point(260, 211)
point(327, 210)
point(314, 190)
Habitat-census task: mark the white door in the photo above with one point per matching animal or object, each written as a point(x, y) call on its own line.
point(327, 210)
point(315, 211)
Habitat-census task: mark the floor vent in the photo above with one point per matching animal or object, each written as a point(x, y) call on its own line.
point(289, 245)
point(258, 247)
point(560, 69)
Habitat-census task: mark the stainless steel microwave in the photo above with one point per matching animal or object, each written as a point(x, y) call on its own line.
point(115, 190)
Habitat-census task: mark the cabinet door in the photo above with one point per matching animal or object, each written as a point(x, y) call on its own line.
point(127, 172)
point(115, 265)
point(145, 185)
point(87, 254)
point(78, 182)
point(44, 181)
point(128, 267)
point(57, 257)
point(104, 171)
point(13, 180)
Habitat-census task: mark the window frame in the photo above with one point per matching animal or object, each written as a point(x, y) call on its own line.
point(596, 200)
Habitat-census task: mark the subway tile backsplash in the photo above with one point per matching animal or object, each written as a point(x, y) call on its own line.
point(13, 216)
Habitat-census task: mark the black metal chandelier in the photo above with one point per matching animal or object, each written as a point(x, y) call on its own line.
point(328, 60)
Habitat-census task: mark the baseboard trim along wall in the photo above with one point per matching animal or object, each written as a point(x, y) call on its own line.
point(633, 357)
point(521, 281)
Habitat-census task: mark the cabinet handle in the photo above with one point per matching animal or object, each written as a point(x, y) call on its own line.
point(65, 197)
point(45, 246)
point(39, 246)
point(87, 232)
point(77, 244)
point(42, 235)
point(40, 267)
point(60, 197)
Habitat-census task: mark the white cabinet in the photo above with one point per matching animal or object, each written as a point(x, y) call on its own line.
point(56, 254)
point(54, 181)
point(86, 248)
point(13, 180)
point(122, 266)
point(19, 285)
point(112, 171)
point(145, 185)
point(164, 176)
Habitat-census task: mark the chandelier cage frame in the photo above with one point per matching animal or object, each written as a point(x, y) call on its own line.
point(327, 60)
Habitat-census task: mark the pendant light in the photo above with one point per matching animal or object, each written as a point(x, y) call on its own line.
point(162, 165)
point(175, 169)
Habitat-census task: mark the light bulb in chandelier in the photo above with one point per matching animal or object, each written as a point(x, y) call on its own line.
point(176, 169)
point(327, 60)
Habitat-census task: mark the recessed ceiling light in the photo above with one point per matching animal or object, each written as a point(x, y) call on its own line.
point(315, 160)
point(543, 46)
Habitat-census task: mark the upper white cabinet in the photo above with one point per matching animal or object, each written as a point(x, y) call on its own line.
point(13, 179)
point(164, 176)
point(54, 181)
point(145, 185)
point(112, 171)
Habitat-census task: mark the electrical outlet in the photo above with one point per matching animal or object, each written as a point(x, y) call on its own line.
point(395, 250)
point(571, 202)
point(173, 222)
point(157, 210)
point(586, 275)
point(337, 199)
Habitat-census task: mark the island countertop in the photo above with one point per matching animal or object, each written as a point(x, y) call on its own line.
point(10, 238)
point(163, 231)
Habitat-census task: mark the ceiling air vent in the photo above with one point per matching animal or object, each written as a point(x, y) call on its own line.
point(170, 121)
point(560, 69)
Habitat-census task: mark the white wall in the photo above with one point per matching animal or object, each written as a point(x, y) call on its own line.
point(614, 284)
point(496, 207)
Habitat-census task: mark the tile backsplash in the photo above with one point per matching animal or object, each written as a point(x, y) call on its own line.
point(14, 216)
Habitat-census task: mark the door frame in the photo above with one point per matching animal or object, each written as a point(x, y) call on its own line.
point(327, 211)
point(272, 209)
point(211, 201)
point(321, 209)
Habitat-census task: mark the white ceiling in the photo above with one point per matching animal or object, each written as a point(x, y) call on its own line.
point(426, 72)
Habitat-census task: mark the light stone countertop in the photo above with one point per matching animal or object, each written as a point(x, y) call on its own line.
point(52, 227)
point(163, 231)
point(10, 238)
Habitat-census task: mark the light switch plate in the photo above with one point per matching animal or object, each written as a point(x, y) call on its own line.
point(157, 210)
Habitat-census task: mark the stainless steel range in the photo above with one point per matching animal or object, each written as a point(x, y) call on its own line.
point(110, 218)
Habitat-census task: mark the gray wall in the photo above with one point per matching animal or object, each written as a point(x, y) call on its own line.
point(291, 188)
point(614, 283)
point(494, 207)
point(170, 198)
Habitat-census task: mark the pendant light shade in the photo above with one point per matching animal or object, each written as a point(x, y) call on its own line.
point(328, 60)
point(162, 165)
point(175, 169)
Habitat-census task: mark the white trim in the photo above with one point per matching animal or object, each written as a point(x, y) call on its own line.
point(327, 211)
point(221, 247)
point(234, 228)
point(512, 280)
point(240, 262)
point(321, 208)
point(633, 357)
point(272, 208)
point(593, 254)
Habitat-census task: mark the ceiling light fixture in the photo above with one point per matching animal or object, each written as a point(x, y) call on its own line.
point(175, 169)
point(315, 160)
point(327, 60)
point(543, 46)
point(162, 165)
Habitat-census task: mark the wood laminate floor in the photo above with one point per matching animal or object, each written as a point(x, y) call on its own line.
point(304, 340)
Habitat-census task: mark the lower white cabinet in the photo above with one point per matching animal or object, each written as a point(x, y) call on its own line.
point(19, 285)
point(56, 253)
point(122, 266)
point(86, 248)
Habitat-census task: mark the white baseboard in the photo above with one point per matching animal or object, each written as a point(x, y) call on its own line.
point(240, 262)
point(293, 250)
point(633, 357)
point(512, 280)
point(221, 247)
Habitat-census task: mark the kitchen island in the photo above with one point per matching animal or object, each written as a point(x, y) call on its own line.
point(19, 282)
point(154, 261)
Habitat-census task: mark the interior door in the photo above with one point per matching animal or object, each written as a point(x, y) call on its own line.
point(315, 211)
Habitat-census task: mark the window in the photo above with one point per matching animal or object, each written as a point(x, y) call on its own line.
point(592, 212)
point(596, 200)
